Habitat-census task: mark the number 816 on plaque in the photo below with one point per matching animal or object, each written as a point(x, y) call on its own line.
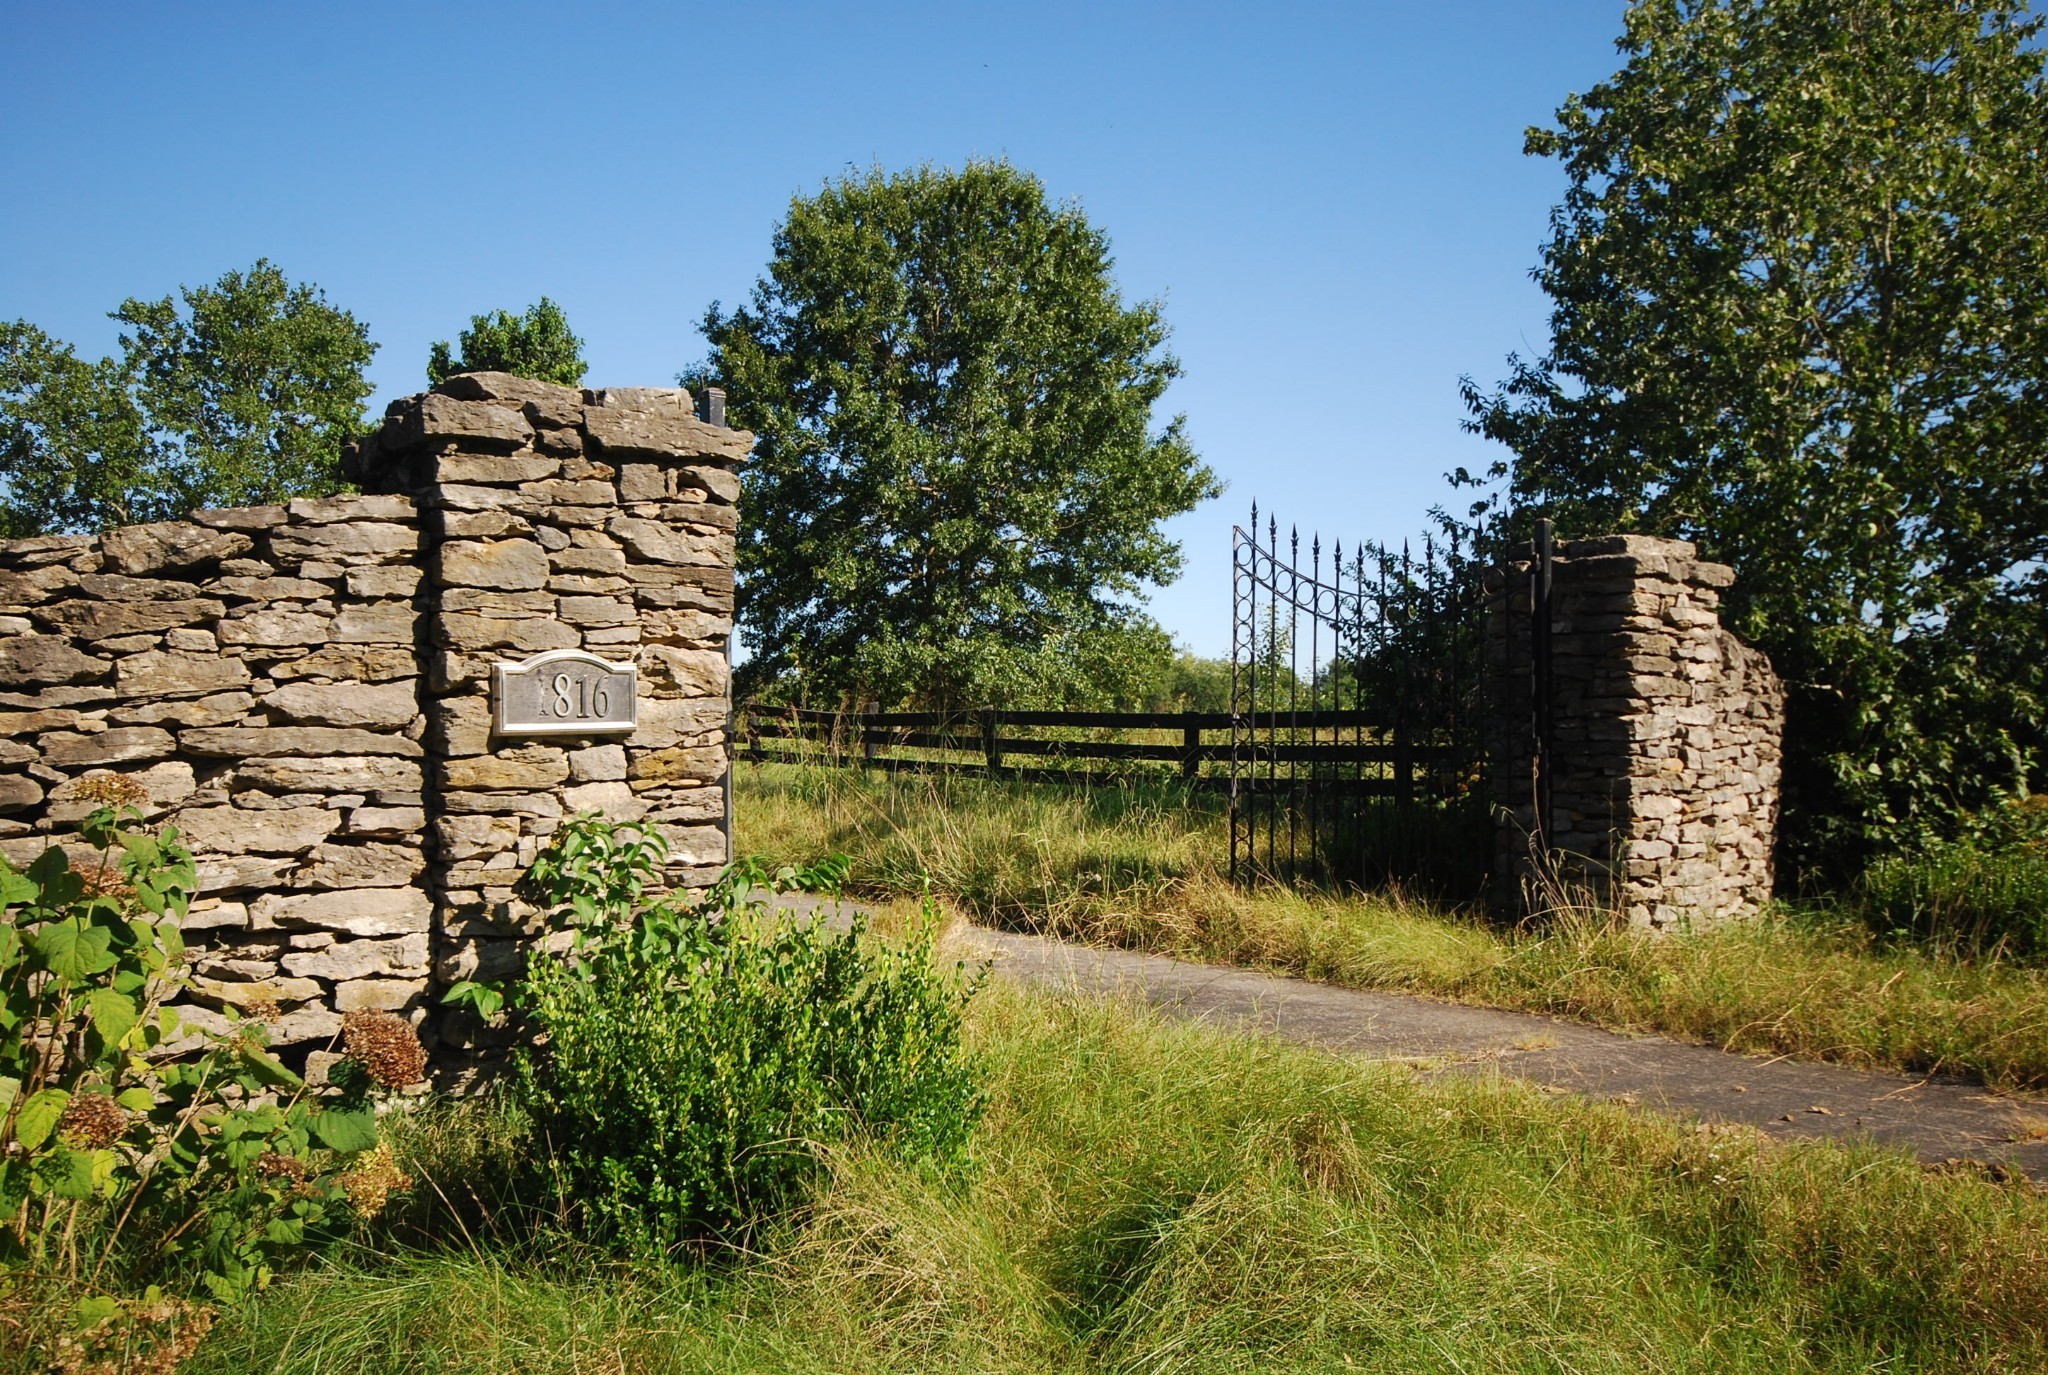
point(564, 692)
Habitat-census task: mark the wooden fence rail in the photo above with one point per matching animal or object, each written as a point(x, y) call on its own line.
point(1289, 739)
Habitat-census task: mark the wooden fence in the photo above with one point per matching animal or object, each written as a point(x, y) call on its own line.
point(1068, 746)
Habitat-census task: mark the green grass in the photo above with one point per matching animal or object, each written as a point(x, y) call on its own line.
point(1157, 1196)
point(1140, 866)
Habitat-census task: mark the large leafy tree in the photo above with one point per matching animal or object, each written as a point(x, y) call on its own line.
point(537, 344)
point(957, 488)
point(1800, 287)
point(233, 394)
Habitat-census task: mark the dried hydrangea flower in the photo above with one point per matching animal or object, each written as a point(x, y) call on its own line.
point(273, 1165)
point(113, 790)
point(386, 1046)
point(90, 1121)
point(106, 883)
point(370, 1184)
point(261, 1006)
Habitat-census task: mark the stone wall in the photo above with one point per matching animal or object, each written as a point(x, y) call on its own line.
point(304, 689)
point(1665, 736)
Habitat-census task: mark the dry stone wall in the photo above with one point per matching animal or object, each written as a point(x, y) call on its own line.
point(304, 690)
point(1665, 736)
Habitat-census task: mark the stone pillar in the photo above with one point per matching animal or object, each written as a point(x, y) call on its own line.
point(555, 518)
point(1665, 742)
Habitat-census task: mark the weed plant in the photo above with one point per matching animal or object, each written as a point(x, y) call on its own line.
point(1152, 1195)
point(1143, 867)
point(697, 1055)
point(1985, 892)
point(147, 1166)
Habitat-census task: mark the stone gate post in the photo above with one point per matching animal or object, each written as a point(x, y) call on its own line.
point(558, 519)
point(1665, 740)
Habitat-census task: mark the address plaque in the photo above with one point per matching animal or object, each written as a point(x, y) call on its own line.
point(564, 692)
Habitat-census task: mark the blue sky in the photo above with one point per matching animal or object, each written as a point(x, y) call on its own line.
point(1330, 199)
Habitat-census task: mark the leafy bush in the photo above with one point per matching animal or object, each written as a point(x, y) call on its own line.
point(697, 1056)
point(121, 1162)
point(1987, 890)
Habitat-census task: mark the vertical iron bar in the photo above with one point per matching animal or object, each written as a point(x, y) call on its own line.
point(1315, 695)
point(1540, 675)
point(1273, 713)
point(1358, 699)
point(1293, 688)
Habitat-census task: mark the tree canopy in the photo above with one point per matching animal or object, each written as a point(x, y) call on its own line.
point(957, 486)
point(1800, 315)
point(235, 394)
point(538, 344)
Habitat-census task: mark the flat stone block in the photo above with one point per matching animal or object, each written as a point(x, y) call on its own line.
point(385, 821)
point(137, 549)
point(345, 704)
point(329, 773)
point(364, 663)
point(268, 741)
point(379, 995)
point(276, 628)
point(403, 957)
point(90, 620)
point(362, 865)
point(369, 539)
point(503, 564)
point(655, 542)
point(385, 623)
point(396, 911)
point(531, 766)
point(124, 745)
point(241, 830)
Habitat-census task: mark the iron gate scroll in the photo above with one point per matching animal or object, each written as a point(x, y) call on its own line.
point(1356, 756)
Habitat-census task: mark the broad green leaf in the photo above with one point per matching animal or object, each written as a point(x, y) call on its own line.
point(96, 1309)
point(136, 1100)
point(72, 950)
point(347, 1130)
point(112, 1014)
point(268, 1069)
point(38, 1117)
point(15, 888)
point(86, 1174)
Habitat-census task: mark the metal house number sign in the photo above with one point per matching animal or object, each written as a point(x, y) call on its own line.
point(564, 692)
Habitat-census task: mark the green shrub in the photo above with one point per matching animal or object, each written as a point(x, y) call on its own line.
point(1985, 891)
point(697, 1057)
point(122, 1162)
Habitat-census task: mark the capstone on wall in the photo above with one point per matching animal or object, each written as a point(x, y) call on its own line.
point(304, 690)
point(1665, 740)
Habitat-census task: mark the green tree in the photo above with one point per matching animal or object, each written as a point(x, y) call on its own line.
point(243, 393)
point(957, 489)
point(1800, 315)
point(538, 344)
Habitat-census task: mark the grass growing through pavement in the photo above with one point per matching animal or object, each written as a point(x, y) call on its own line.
point(1141, 866)
point(1156, 1196)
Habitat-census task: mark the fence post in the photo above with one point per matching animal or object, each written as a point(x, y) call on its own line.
point(1190, 749)
point(991, 747)
point(867, 733)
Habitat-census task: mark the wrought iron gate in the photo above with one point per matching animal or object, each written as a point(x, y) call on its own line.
point(1355, 721)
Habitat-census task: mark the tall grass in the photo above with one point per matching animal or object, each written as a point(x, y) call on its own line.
point(1141, 866)
point(1159, 1196)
